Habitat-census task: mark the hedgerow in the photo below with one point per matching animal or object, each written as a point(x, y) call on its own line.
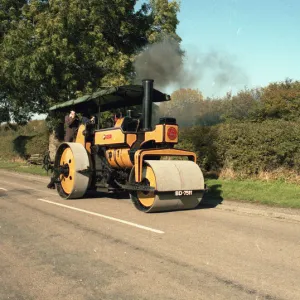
point(245, 147)
point(23, 141)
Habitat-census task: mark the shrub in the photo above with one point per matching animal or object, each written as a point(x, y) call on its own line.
point(247, 148)
point(22, 141)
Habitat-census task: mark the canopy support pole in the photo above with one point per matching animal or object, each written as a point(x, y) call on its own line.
point(99, 112)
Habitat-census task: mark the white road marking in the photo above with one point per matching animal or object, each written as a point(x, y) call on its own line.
point(104, 216)
point(4, 189)
point(85, 211)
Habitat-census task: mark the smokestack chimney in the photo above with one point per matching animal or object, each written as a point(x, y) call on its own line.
point(147, 104)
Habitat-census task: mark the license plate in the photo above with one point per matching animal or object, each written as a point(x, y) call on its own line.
point(183, 193)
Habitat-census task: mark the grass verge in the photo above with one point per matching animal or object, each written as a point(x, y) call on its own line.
point(275, 193)
point(22, 167)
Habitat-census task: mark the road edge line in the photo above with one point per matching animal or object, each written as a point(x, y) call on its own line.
point(103, 216)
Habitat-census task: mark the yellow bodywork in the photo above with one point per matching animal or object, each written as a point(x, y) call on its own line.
point(80, 138)
point(130, 139)
point(109, 137)
point(119, 158)
point(119, 143)
point(156, 135)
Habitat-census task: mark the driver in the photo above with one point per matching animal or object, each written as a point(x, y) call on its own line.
point(72, 123)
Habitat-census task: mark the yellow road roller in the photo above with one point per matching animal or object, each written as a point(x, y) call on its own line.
point(131, 155)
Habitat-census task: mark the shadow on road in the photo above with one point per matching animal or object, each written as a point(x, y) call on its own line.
point(212, 197)
point(99, 194)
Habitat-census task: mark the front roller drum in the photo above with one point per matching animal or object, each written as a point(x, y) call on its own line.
point(72, 158)
point(178, 185)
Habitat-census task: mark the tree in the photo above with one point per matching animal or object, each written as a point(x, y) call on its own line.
point(61, 49)
point(55, 50)
point(185, 105)
point(210, 113)
point(246, 105)
point(164, 20)
point(19, 93)
point(281, 100)
point(10, 11)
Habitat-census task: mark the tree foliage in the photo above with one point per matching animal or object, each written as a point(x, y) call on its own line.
point(164, 20)
point(184, 106)
point(278, 100)
point(10, 11)
point(52, 51)
point(281, 100)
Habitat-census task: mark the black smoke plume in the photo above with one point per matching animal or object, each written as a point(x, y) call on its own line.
point(164, 62)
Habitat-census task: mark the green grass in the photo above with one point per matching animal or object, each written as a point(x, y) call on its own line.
point(275, 193)
point(23, 167)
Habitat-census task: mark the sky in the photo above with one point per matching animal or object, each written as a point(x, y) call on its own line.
point(259, 40)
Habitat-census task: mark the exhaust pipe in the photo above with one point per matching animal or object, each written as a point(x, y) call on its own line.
point(147, 104)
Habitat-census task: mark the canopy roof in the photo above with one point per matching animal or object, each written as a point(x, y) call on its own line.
point(108, 98)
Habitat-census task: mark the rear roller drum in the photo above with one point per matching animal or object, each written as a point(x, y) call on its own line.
point(69, 160)
point(178, 185)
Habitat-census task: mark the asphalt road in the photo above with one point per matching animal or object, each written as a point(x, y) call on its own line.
point(103, 248)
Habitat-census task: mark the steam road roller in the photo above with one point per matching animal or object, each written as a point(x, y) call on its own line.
point(131, 155)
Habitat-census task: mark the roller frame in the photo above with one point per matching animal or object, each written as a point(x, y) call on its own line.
point(140, 155)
